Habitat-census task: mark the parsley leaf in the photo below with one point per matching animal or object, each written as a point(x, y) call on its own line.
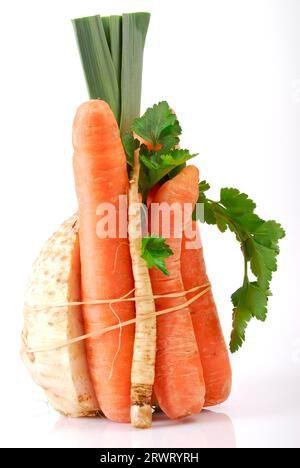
point(259, 242)
point(160, 159)
point(237, 203)
point(249, 301)
point(157, 165)
point(130, 145)
point(203, 186)
point(158, 126)
point(154, 251)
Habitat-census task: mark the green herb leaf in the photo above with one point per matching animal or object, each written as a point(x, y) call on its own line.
point(154, 251)
point(161, 159)
point(269, 233)
point(236, 202)
point(263, 262)
point(159, 127)
point(204, 186)
point(259, 242)
point(159, 165)
point(249, 301)
point(130, 145)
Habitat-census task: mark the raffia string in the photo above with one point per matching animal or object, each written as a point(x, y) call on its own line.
point(61, 305)
point(122, 324)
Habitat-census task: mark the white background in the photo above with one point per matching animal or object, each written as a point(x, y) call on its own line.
point(231, 69)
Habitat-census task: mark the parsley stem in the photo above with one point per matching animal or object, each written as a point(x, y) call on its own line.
point(222, 212)
point(259, 244)
point(246, 278)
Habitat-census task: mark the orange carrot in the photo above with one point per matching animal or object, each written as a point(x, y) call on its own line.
point(144, 142)
point(101, 177)
point(179, 384)
point(151, 194)
point(212, 348)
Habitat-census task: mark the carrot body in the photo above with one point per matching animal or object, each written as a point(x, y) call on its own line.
point(179, 384)
point(151, 194)
point(101, 177)
point(212, 347)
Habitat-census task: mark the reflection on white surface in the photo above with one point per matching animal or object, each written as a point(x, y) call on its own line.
point(262, 412)
point(208, 430)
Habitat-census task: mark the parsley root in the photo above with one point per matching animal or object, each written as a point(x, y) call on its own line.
point(143, 363)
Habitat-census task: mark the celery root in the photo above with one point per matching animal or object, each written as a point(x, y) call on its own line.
point(62, 373)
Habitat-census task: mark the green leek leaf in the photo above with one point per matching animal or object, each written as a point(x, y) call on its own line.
point(134, 31)
point(98, 66)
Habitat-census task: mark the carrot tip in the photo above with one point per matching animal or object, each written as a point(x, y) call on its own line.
point(141, 416)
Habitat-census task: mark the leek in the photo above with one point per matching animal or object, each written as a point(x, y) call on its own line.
point(111, 50)
point(97, 63)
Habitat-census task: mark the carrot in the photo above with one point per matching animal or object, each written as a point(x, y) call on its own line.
point(212, 348)
point(143, 363)
point(218, 374)
point(179, 384)
point(147, 143)
point(101, 177)
point(151, 195)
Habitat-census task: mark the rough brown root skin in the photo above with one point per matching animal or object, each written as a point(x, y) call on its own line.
point(141, 394)
point(141, 409)
point(143, 364)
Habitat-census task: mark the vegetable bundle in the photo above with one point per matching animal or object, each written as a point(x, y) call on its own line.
point(119, 323)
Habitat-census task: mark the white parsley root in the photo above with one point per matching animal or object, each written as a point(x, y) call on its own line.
point(62, 373)
point(143, 362)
